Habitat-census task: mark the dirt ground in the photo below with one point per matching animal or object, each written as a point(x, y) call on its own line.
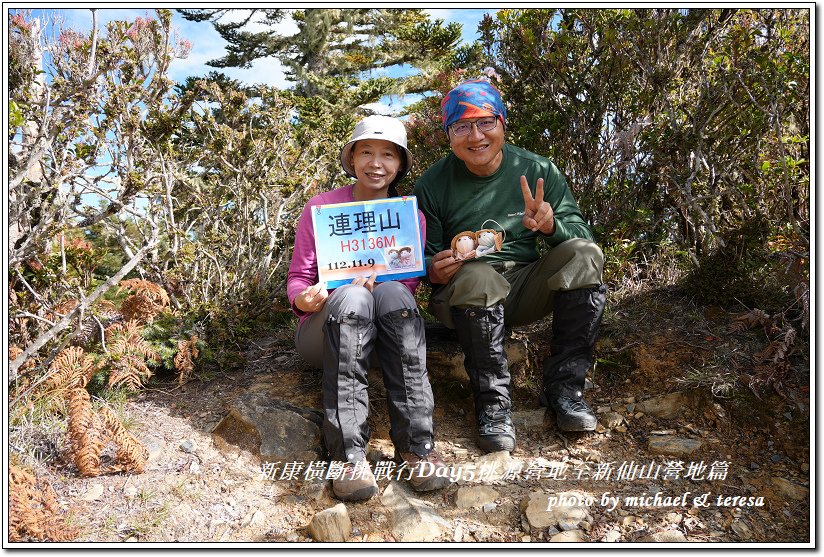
point(195, 491)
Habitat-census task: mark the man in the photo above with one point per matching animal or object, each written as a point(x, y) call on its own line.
point(484, 180)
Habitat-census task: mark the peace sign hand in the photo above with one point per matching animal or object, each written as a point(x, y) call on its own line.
point(538, 214)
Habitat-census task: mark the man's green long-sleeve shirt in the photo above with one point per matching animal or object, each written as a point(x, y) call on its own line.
point(454, 200)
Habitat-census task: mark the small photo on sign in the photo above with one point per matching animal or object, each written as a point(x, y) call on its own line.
point(402, 257)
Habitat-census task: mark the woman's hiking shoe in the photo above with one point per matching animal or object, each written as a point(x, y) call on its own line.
point(495, 431)
point(425, 473)
point(355, 483)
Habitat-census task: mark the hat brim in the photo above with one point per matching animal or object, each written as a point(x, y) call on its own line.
point(346, 152)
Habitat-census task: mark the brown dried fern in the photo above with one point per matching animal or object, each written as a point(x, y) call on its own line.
point(84, 432)
point(72, 368)
point(131, 454)
point(147, 300)
point(184, 359)
point(147, 289)
point(91, 432)
point(128, 354)
point(750, 320)
point(34, 514)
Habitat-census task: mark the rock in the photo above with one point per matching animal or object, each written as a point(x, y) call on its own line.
point(274, 429)
point(612, 536)
point(667, 406)
point(611, 420)
point(410, 518)
point(130, 492)
point(565, 525)
point(568, 506)
point(665, 536)
point(673, 446)
point(789, 489)
point(93, 493)
point(588, 384)
point(258, 519)
point(458, 535)
point(570, 536)
point(489, 507)
point(493, 466)
point(331, 525)
point(526, 539)
point(673, 518)
point(592, 455)
point(155, 447)
point(529, 420)
point(741, 530)
point(474, 497)
point(444, 357)
point(292, 537)
point(187, 446)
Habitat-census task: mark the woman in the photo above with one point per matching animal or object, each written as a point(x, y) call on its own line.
point(340, 329)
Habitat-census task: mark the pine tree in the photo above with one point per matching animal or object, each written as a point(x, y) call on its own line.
point(339, 54)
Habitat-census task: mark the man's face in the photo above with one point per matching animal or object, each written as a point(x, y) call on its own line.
point(480, 151)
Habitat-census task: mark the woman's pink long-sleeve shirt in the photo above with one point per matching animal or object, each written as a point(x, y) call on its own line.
point(303, 270)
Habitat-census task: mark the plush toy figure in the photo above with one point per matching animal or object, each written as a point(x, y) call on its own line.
point(463, 245)
point(489, 241)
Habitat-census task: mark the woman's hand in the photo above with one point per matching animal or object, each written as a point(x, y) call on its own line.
point(368, 283)
point(312, 298)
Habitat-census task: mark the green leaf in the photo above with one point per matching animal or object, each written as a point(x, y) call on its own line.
point(15, 116)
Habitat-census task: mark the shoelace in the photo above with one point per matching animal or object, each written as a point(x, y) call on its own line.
point(495, 424)
point(579, 405)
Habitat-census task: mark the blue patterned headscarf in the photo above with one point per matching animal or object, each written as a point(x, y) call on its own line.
point(475, 98)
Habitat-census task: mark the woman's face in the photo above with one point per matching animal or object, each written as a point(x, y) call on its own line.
point(376, 163)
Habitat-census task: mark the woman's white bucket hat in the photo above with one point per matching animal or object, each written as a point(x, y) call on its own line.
point(377, 127)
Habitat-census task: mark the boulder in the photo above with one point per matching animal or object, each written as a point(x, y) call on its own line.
point(331, 525)
point(275, 430)
point(410, 518)
point(668, 406)
point(545, 510)
point(670, 445)
point(474, 497)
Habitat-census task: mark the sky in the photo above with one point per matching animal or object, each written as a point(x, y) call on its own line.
point(207, 44)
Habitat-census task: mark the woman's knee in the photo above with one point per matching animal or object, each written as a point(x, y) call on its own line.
point(392, 296)
point(351, 298)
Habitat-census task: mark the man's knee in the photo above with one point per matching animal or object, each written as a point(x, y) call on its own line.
point(479, 285)
point(580, 263)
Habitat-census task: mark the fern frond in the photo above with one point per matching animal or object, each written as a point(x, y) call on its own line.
point(84, 433)
point(33, 510)
point(72, 368)
point(128, 355)
point(131, 454)
point(147, 289)
point(750, 320)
